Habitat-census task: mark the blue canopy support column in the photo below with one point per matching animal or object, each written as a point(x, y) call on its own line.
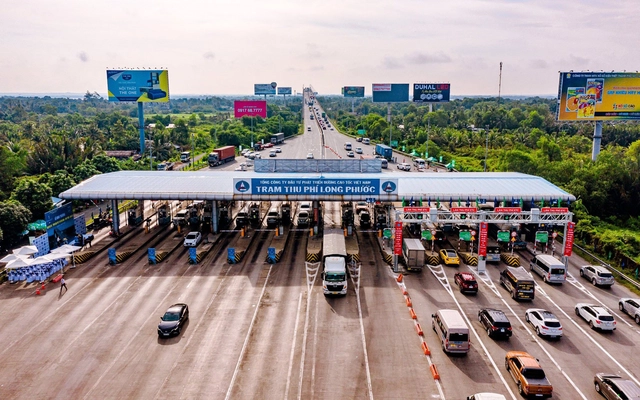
point(141, 125)
point(116, 217)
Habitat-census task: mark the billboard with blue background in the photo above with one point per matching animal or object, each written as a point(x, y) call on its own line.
point(60, 225)
point(316, 186)
point(390, 92)
point(138, 85)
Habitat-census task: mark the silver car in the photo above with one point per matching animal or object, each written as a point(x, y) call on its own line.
point(597, 274)
point(598, 317)
point(544, 322)
point(614, 387)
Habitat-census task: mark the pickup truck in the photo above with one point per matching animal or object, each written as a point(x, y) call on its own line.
point(528, 374)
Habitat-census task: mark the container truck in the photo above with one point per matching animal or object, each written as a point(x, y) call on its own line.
point(413, 252)
point(384, 151)
point(334, 263)
point(222, 155)
point(277, 138)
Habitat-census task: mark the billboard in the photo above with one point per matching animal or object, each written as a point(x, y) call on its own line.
point(60, 225)
point(390, 92)
point(431, 92)
point(252, 108)
point(138, 85)
point(353, 91)
point(264, 88)
point(598, 96)
point(284, 90)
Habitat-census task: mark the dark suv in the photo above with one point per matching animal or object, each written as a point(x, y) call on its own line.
point(495, 322)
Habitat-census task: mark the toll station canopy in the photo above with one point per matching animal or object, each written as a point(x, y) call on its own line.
point(248, 185)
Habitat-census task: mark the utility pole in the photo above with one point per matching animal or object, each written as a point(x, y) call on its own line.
point(500, 84)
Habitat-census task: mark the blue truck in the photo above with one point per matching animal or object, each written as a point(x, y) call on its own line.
point(384, 151)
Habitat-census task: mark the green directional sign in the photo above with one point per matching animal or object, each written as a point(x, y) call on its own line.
point(426, 234)
point(542, 237)
point(465, 236)
point(503, 236)
point(394, 143)
point(387, 233)
point(361, 132)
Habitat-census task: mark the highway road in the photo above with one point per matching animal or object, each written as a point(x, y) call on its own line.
point(258, 330)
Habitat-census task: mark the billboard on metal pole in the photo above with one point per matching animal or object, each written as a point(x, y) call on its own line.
point(260, 89)
point(138, 85)
point(251, 108)
point(431, 92)
point(284, 90)
point(598, 96)
point(390, 92)
point(353, 91)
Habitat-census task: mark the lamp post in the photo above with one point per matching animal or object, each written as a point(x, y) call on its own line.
point(486, 148)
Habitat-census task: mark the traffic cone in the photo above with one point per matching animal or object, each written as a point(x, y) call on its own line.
point(399, 279)
point(38, 291)
point(42, 287)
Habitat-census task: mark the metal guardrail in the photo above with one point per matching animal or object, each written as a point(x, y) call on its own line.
point(605, 264)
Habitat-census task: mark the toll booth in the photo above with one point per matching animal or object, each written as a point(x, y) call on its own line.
point(135, 216)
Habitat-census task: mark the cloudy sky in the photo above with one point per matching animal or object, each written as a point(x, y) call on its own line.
point(225, 46)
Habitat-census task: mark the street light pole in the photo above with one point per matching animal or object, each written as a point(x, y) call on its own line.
point(486, 148)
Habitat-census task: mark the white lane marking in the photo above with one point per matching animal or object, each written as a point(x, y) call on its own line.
point(356, 282)
point(293, 347)
point(304, 336)
point(533, 336)
point(446, 285)
point(572, 280)
point(315, 353)
point(594, 341)
point(248, 336)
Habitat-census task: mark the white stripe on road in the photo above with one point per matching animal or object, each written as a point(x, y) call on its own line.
point(293, 347)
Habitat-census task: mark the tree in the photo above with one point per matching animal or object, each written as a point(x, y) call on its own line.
point(85, 171)
point(58, 182)
point(35, 196)
point(105, 164)
point(14, 218)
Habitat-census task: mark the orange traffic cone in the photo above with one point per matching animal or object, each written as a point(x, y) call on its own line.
point(38, 291)
point(42, 287)
point(399, 278)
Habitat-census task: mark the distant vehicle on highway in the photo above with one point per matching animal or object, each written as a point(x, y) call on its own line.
point(278, 149)
point(350, 154)
point(359, 150)
point(404, 167)
point(309, 156)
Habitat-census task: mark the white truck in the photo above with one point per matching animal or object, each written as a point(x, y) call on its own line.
point(334, 263)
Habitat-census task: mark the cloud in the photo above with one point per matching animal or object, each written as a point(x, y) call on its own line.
point(209, 55)
point(578, 60)
point(317, 68)
point(391, 63)
point(312, 51)
point(538, 64)
point(424, 58)
point(83, 56)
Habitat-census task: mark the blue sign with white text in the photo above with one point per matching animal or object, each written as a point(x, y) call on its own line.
point(316, 186)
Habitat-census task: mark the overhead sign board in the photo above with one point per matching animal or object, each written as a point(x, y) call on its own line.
point(554, 210)
point(353, 91)
point(598, 96)
point(260, 89)
point(251, 108)
point(416, 209)
point(431, 92)
point(390, 92)
point(466, 210)
point(508, 210)
point(315, 186)
point(138, 85)
point(284, 90)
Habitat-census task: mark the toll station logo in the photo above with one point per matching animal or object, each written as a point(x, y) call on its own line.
point(242, 186)
point(388, 186)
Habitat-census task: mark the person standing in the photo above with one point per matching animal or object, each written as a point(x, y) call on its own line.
point(63, 285)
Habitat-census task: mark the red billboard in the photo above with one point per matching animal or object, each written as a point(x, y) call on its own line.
point(482, 242)
point(568, 243)
point(397, 243)
point(251, 108)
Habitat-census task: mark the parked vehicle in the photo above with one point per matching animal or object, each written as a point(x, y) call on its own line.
point(544, 322)
point(518, 282)
point(466, 282)
point(495, 322)
point(528, 374)
point(598, 317)
point(173, 320)
point(631, 307)
point(549, 268)
point(614, 387)
point(334, 262)
point(452, 331)
point(598, 275)
point(221, 155)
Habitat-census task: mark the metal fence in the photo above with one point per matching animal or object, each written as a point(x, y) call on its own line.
point(318, 166)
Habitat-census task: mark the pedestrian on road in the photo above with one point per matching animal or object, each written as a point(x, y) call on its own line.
point(63, 285)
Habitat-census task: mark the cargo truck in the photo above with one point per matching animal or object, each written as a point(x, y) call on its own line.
point(277, 138)
point(413, 252)
point(384, 151)
point(334, 263)
point(222, 155)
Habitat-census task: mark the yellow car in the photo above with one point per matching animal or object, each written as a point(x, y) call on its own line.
point(449, 257)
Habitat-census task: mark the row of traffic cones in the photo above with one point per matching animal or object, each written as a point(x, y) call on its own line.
point(40, 289)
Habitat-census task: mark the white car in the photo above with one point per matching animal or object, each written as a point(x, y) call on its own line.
point(597, 274)
point(597, 316)
point(278, 149)
point(192, 239)
point(309, 156)
point(631, 307)
point(404, 167)
point(359, 150)
point(544, 322)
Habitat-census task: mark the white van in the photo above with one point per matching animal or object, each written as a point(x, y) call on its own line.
point(366, 140)
point(347, 146)
point(452, 331)
point(549, 268)
point(384, 164)
point(419, 163)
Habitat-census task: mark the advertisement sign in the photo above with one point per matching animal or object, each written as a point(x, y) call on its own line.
point(431, 92)
point(138, 85)
point(598, 96)
point(302, 186)
point(284, 90)
point(568, 244)
point(353, 91)
point(264, 88)
point(397, 241)
point(390, 92)
point(482, 239)
point(252, 108)
point(60, 226)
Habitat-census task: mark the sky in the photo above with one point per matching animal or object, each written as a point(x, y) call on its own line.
point(224, 47)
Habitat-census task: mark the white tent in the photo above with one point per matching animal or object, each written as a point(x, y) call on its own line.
point(66, 248)
point(19, 263)
point(26, 250)
point(12, 257)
